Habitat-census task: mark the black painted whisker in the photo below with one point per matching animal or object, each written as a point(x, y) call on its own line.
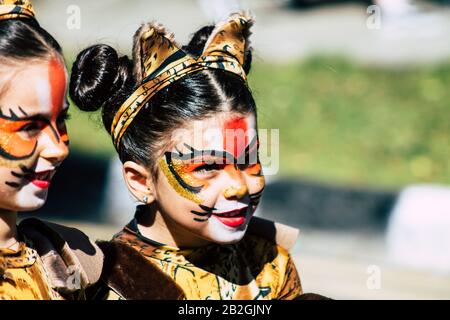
point(13, 184)
point(17, 175)
point(201, 214)
point(207, 208)
point(25, 169)
point(257, 194)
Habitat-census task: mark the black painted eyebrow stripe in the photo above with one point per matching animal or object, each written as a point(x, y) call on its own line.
point(198, 153)
point(38, 117)
point(23, 111)
point(168, 156)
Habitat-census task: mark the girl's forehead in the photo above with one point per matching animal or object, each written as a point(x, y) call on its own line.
point(34, 89)
point(215, 133)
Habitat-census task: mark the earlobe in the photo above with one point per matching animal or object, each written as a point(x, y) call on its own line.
point(139, 181)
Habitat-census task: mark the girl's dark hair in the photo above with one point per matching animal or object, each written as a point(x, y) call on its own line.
point(23, 39)
point(100, 79)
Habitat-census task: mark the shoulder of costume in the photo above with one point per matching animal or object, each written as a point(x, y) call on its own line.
point(72, 261)
point(131, 276)
point(283, 235)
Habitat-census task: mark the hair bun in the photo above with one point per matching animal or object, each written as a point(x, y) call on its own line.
point(197, 43)
point(97, 74)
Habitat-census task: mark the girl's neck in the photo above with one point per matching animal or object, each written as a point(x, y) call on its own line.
point(8, 229)
point(155, 226)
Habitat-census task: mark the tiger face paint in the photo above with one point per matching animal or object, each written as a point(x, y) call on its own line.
point(212, 186)
point(33, 135)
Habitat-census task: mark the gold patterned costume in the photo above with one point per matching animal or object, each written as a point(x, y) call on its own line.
point(16, 9)
point(252, 269)
point(23, 277)
point(53, 262)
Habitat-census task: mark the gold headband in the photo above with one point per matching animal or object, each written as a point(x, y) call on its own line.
point(164, 63)
point(13, 9)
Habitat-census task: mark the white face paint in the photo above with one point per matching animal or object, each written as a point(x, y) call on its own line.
point(43, 92)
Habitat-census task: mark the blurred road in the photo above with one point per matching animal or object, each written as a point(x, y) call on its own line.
point(279, 34)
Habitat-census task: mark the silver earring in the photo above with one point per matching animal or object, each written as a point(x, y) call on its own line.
point(145, 200)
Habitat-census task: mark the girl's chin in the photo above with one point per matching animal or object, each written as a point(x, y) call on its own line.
point(223, 234)
point(31, 204)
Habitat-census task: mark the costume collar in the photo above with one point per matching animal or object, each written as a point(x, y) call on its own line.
point(21, 258)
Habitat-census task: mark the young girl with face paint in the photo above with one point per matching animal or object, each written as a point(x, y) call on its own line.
point(33, 143)
point(183, 121)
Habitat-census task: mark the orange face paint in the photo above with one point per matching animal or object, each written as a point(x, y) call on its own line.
point(235, 138)
point(57, 80)
point(14, 146)
point(19, 135)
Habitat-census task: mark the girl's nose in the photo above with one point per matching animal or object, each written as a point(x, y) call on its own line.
point(235, 192)
point(53, 149)
point(237, 188)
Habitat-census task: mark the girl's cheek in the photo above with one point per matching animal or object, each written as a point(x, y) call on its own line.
point(17, 149)
point(256, 184)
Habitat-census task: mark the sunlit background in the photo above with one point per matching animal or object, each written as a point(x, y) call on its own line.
point(360, 93)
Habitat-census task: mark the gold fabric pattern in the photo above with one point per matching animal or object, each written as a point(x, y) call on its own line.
point(13, 9)
point(253, 269)
point(22, 276)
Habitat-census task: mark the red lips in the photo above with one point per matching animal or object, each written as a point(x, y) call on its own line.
point(40, 179)
point(233, 218)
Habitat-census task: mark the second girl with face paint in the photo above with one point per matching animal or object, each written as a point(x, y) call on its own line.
point(38, 260)
point(189, 239)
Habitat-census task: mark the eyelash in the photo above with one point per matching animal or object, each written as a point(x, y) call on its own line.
point(30, 127)
point(35, 126)
point(207, 168)
point(64, 117)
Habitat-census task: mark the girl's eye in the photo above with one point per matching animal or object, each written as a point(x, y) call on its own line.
point(207, 168)
point(63, 118)
point(246, 166)
point(253, 169)
point(31, 128)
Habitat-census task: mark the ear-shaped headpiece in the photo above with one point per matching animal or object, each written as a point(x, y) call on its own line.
point(14, 9)
point(162, 62)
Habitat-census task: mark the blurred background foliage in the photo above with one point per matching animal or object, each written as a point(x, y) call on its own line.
point(339, 121)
